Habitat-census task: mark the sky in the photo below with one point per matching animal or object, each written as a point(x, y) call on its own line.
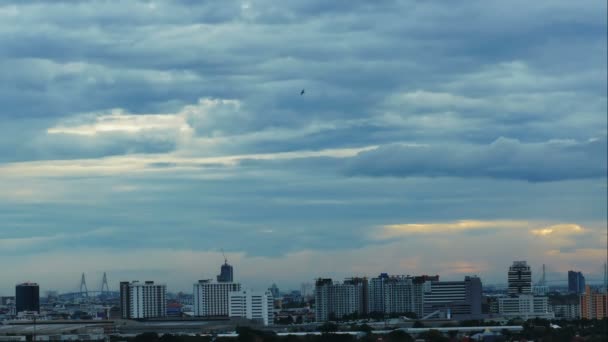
point(140, 138)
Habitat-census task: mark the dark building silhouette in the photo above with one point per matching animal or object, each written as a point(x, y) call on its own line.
point(576, 282)
point(27, 297)
point(226, 273)
point(125, 300)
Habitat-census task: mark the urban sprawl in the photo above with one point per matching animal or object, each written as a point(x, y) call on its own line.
point(218, 306)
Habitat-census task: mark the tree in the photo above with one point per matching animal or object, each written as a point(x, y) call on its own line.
point(434, 336)
point(146, 337)
point(328, 327)
point(399, 336)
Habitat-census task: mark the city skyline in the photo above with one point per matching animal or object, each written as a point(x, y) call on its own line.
point(556, 280)
point(143, 139)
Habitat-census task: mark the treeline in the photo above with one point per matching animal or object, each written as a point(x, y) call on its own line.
point(583, 330)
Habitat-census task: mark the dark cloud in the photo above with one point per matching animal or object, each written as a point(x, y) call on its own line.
point(503, 159)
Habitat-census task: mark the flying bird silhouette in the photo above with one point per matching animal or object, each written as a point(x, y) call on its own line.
point(302, 92)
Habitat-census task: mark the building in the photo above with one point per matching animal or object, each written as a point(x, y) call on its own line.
point(461, 299)
point(211, 299)
point(576, 282)
point(336, 300)
point(361, 293)
point(402, 295)
point(565, 307)
point(226, 273)
point(27, 297)
point(525, 307)
point(142, 300)
point(376, 293)
point(519, 278)
point(252, 305)
point(593, 304)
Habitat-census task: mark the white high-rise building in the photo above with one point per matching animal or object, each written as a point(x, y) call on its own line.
point(252, 305)
point(143, 300)
point(212, 298)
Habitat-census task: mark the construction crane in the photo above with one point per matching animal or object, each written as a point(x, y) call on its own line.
point(224, 254)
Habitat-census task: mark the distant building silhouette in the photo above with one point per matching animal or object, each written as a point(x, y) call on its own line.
point(226, 273)
point(576, 282)
point(520, 278)
point(27, 297)
point(274, 289)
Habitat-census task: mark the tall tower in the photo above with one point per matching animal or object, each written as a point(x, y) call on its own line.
point(83, 287)
point(520, 278)
point(105, 289)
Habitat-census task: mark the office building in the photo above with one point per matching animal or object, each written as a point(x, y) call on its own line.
point(461, 299)
point(524, 307)
point(143, 300)
point(252, 305)
point(27, 297)
point(576, 282)
point(593, 304)
point(519, 278)
point(211, 299)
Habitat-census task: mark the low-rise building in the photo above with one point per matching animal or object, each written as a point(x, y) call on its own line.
point(525, 307)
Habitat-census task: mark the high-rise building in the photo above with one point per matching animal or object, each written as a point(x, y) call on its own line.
point(252, 305)
point(576, 282)
point(519, 278)
point(361, 293)
point(458, 298)
point(376, 293)
point(403, 295)
point(226, 273)
point(593, 304)
point(336, 300)
point(27, 297)
point(212, 298)
point(143, 300)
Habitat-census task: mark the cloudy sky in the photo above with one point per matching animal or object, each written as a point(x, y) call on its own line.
point(141, 137)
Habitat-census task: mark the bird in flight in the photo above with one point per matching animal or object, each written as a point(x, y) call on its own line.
point(302, 92)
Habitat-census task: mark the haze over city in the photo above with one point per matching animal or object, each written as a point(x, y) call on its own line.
point(141, 138)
